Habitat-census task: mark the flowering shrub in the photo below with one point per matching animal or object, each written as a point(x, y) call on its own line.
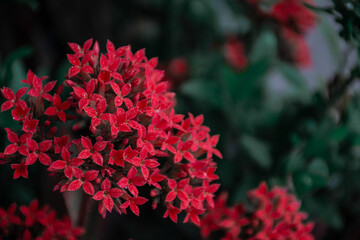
point(273, 214)
point(33, 222)
point(115, 132)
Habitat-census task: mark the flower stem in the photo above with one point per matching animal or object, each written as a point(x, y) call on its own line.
point(85, 207)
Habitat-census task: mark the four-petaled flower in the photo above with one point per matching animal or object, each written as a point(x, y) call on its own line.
point(70, 165)
point(131, 181)
point(121, 93)
point(11, 98)
point(87, 95)
point(38, 151)
point(133, 202)
point(107, 194)
point(79, 66)
point(37, 89)
point(93, 151)
point(181, 190)
point(20, 170)
point(58, 108)
point(85, 182)
point(17, 144)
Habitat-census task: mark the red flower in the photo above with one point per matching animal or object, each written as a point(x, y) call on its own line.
point(81, 51)
point(154, 178)
point(133, 202)
point(145, 163)
point(34, 222)
point(172, 212)
point(11, 98)
point(181, 190)
point(20, 170)
point(119, 156)
point(274, 214)
point(70, 165)
point(38, 90)
point(193, 215)
point(97, 115)
point(60, 142)
point(8, 217)
point(121, 93)
point(58, 108)
point(293, 13)
point(297, 47)
point(235, 53)
point(32, 79)
point(17, 144)
point(182, 150)
point(20, 112)
point(93, 151)
point(31, 213)
point(79, 66)
point(131, 181)
point(29, 125)
point(107, 193)
point(122, 121)
point(38, 151)
point(208, 192)
point(85, 182)
point(87, 96)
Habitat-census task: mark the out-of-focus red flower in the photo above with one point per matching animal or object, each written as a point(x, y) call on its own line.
point(235, 53)
point(295, 21)
point(177, 67)
point(298, 49)
point(176, 71)
point(293, 14)
point(34, 222)
point(273, 214)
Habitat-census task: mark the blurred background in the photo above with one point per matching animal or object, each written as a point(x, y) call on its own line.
point(277, 80)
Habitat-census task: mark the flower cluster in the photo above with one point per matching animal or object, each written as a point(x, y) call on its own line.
point(273, 214)
point(33, 222)
point(295, 21)
point(115, 132)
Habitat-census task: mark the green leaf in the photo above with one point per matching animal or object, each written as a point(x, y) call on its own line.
point(319, 167)
point(292, 75)
point(200, 90)
point(306, 181)
point(245, 85)
point(8, 70)
point(294, 163)
point(340, 133)
point(257, 150)
point(18, 73)
point(265, 47)
point(303, 182)
point(331, 38)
